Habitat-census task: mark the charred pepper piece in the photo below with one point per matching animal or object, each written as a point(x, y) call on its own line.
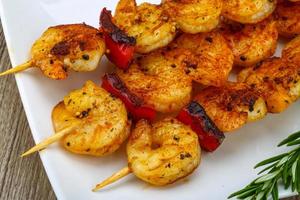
point(135, 105)
point(120, 46)
point(194, 115)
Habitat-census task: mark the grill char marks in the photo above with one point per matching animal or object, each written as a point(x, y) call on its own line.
point(116, 34)
point(194, 115)
point(198, 112)
point(117, 83)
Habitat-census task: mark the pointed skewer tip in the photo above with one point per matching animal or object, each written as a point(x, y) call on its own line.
point(17, 69)
point(116, 176)
point(49, 140)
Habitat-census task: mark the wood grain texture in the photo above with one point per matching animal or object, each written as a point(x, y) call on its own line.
point(20, 178)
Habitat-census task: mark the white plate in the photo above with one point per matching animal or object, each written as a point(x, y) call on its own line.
point(72, 176)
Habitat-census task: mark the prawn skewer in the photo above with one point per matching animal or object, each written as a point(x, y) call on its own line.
point(74, 46)
point(250, 43)
point(151, 26)
point(159, 79)
point(216, 110)
point(232, 105)
point(209, 59)
point(89, 121)
point(194, 16)
point(248, 11)
point(287, 15)
point(291, 52)
point(276, 79)
point(160, 154)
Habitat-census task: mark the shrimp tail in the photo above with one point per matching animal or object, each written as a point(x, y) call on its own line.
point(48, 141)
point(18, 68)
point(116, 176)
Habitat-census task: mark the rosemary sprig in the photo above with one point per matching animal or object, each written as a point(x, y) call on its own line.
point(284, 167)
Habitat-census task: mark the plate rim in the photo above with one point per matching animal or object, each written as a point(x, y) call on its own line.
point(58, 192)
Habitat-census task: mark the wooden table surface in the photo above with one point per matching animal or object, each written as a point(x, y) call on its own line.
point(20, 178)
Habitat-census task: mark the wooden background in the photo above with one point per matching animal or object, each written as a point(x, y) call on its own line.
point(20, 179)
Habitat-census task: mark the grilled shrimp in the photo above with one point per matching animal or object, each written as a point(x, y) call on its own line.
point(232, 105)
point(76, 46)
point(148, 23)
point(163, 152)
point(291, 51)
point(248, 11)
point(276, 80)
point(194, 16)
point(96, 122)
point(250, 43)
point(287, 15)
point(159, 80)
point(159, 153)
point(210, 61)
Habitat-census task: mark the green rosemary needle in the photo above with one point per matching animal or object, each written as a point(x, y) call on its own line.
point(284, 167)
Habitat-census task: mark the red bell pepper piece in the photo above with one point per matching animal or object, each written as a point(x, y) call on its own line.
point(194, 115)
point(120, 46)
point(113, 84)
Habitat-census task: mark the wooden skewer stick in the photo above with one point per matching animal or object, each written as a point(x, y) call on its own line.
point(120, 174)
point(18, 68)
point(48, 141)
